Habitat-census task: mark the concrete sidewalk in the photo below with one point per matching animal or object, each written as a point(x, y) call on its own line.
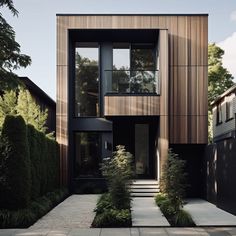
point(145, 212)
point(207, 214)
point(74, 212)
point(229, 231)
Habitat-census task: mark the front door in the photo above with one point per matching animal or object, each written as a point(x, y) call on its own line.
point(141, 141)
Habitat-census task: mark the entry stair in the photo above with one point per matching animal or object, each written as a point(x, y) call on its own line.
point(144, 188)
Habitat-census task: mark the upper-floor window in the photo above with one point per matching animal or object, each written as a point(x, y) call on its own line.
point(86, 89)
point(229, 106)
point(134, 68)
point(219, 114)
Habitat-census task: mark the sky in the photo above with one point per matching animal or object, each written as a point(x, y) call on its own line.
point(36, 28)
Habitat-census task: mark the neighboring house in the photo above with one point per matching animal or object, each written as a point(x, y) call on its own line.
point(220, 161)
point(44, 101)
point(224, 120)
point(135, 80)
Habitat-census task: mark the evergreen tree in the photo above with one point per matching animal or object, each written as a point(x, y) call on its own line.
point(10, 54)
point(24, 105)
point(7, 105)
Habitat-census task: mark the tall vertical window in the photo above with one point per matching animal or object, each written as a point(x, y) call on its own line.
point(229, 106)
point(86, 80)
point(87, 154)
point(219, 114)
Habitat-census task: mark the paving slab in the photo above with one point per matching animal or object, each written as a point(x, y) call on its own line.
point(115, 232)
point(152, 232)
point(75, 212)
point(207, 214)
point(146, 213)
point(85, 232)
point(183, 231)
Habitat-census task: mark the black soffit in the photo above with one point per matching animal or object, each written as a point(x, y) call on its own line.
point(114, 35)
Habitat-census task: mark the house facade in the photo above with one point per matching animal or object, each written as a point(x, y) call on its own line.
point(133, 80)
point(224, 120)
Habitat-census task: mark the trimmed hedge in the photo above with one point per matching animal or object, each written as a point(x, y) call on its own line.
point(29, 164)
point(15, 184)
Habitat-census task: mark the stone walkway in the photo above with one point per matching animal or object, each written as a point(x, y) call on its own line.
point(145, 212)
point(75, 212)
point(207, 214)
point(207, 231)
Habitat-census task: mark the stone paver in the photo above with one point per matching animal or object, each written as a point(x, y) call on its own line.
point(75, 212)
point(135, 231)
point(146, 213)
point(207, 214)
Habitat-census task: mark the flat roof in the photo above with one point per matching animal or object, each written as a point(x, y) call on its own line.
point(133, 14)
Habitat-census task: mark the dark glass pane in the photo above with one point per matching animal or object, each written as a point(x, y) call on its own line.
point(86, 81)
point(87, 154)
point(143, 57)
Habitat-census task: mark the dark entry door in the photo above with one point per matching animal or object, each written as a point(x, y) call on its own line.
point(142, 152)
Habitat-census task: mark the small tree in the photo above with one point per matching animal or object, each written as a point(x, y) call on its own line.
point(173, 182)
point(119, 172)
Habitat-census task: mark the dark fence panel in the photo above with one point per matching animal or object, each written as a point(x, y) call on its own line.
point(220, 164)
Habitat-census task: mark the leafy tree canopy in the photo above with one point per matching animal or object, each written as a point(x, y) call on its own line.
point(10, 53)
point(219, 78)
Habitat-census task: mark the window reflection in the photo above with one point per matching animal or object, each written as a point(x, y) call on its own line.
point(86, 80)
point(87, 153)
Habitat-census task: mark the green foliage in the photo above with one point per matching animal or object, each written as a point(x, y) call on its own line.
point(119, 172)
point(20, 161)
point(107, 215)
point(173, 181)
point(219, 79)
point(183, 218)
point(15, 165)
point(10, 54)
point(25, 217)
point(22, 103)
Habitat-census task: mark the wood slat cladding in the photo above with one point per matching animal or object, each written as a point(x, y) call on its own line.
point(132, 106)
point(186, 89)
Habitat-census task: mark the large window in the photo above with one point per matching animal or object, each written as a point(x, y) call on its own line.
point(86, 80)
point(134, 68)
point(87, 154)
point(229, 107)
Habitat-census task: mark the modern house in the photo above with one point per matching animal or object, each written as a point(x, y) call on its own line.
point(224, 115)
point(133, 80)
point(43, 100)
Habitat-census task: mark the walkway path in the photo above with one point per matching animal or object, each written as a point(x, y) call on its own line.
point(207, 214)
point(146, 213)
point(206, 231)
point(75, 212)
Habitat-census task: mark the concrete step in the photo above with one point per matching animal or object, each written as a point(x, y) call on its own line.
point(145, 182)
point(143, 186)
point(141, 190)
point(143, 194)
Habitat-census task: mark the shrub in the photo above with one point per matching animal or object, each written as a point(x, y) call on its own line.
point(119, 171)
point(23, 218)
point(113, 218)
point(173, 181)
point(15, 165)
point(183, 218)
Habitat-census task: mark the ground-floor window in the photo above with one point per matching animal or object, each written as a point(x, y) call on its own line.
point(87, 154)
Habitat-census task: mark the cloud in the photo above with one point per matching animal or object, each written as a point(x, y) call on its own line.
point(233, 16)
point(229, 58)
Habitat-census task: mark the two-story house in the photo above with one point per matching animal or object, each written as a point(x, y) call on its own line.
point(134, 80)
